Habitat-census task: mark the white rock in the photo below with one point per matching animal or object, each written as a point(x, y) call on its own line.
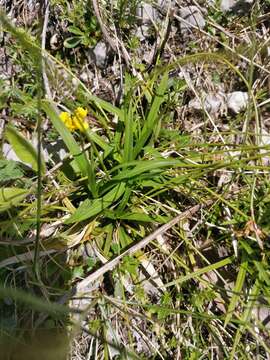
point(192, 15)
point(55, 41)
point(100, 53)
point(227, 5)
point(212, 103)
point(237, 101)
point(265, 138)
point(146, 13)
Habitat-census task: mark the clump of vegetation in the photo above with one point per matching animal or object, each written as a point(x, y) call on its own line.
point(136, 228)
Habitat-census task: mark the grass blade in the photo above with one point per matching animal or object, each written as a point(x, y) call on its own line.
point(152, 115)
point(145, 166)
point(202, 271)
point(236, 291)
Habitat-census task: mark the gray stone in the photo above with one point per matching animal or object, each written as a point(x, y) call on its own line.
point(101, 54)
point(237, 101)
point(166, 4)
point(213, 103)
point(235, 5)
point(227, 5)
point(146, 13)
point(192, 16)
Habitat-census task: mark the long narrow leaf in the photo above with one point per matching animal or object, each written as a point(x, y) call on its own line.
point(202, 271)
point(91, 208)
point(152, 115)
point(137, 217)
point(246, 315)
point(128, 145)
point(236, 291)
point(149, 165)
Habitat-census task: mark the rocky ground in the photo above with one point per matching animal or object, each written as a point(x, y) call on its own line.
point(217, 55)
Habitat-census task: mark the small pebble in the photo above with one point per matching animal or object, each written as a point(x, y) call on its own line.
point(100, 54)
point(212, 103)
point(237, 101)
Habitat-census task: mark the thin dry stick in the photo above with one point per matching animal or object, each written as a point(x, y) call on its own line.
point(24, 257)
point(111, 264)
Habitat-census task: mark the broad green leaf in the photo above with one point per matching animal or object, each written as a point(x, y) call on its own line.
point(24, 149)
point(11, 196)
point(91, 208)
point(123, 237)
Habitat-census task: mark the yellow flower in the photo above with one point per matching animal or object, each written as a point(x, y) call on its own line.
point(75, 122)
point(79, 124)
point(67, 120)
point(64, 116)
point(78, 119)
point(80, 113)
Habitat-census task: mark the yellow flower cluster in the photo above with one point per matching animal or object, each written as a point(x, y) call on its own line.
point(77, 121)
